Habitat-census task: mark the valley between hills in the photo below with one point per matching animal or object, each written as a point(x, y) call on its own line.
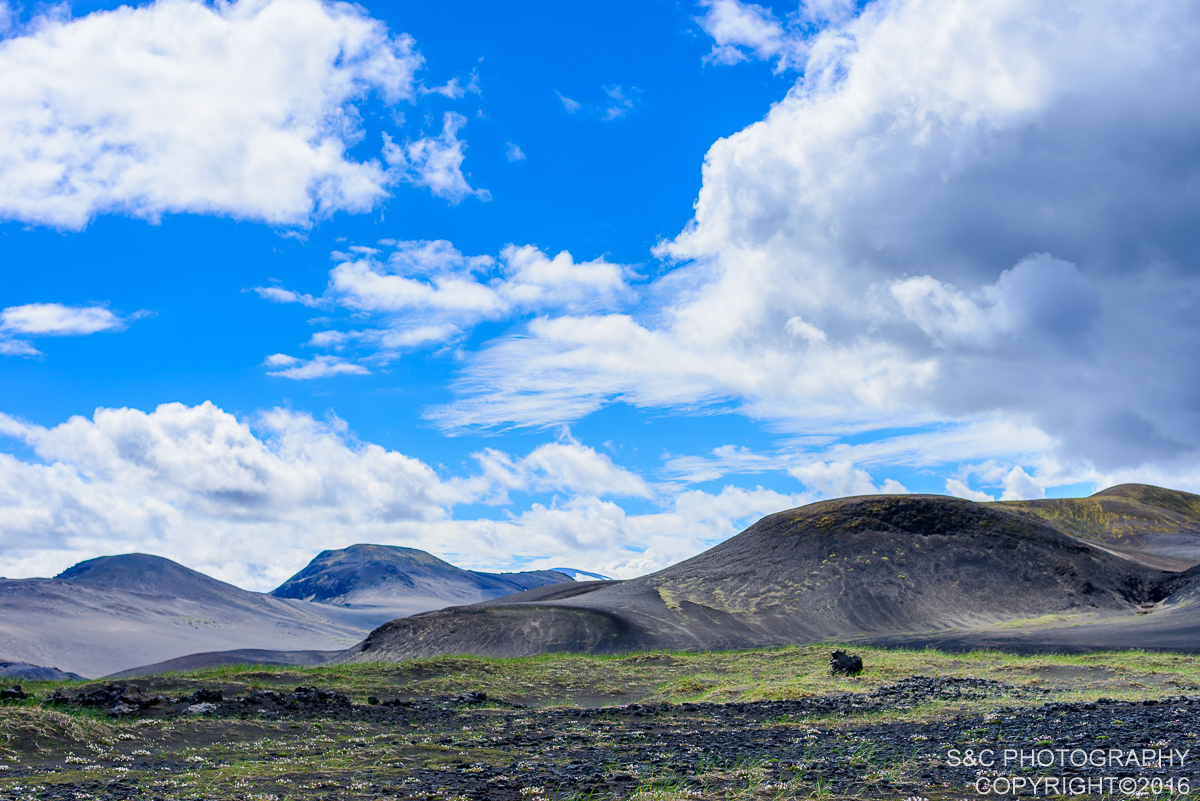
point(1058, 624)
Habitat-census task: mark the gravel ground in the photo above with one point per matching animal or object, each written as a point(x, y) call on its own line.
point(469, 747)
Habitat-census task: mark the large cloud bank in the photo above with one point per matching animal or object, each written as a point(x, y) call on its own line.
point(252, 501)
point(244, 109)
point(977, 214)
point(965, 237)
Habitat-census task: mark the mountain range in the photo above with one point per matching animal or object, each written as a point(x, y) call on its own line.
point(113, 613)
point(1115, 570)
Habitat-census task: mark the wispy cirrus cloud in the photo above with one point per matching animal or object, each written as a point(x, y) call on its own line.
point(620, 102)
point(323, 366)
point(570, 105)
point(277, 294)
point(453, 88)
point(617, 102)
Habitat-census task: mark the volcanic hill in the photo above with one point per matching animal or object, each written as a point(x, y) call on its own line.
point(876, 568)
point(401, 581)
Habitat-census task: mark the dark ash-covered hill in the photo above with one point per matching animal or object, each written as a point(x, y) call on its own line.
point(240, 656)
point(836, 570)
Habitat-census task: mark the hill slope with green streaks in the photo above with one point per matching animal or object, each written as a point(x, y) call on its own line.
point(1160, 527)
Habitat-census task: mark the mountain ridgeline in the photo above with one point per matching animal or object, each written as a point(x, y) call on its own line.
point(401, 578)
point(902, 569)
point(1119, 569)
point(153, 576)
point(112, 613)
point(1159, 527)
point(115, 612)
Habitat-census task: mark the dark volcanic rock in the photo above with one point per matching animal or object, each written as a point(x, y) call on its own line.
point(14, 693)
point(206, 696)
point(316, 696)
point(844, 664)
point(495, 631)
point(123, 699)
point(116, 699)
point(820, 746)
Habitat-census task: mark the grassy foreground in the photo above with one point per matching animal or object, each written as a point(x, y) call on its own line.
point(43, 751)
point(721, 676)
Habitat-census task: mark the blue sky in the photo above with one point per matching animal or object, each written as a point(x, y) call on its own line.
point(580, 284)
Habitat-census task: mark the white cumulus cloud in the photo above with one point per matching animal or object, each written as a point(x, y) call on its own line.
point(198, 485)
point(243, 109)
point(561, 466)
point(961, 489)
point(427, 292)
point(1041, 298)
point(741, 31)
point(960, 213)
point(251, 501)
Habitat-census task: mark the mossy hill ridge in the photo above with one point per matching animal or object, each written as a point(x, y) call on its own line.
point(1160, 527)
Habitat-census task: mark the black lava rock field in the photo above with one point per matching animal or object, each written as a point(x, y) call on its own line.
point(890, 742)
